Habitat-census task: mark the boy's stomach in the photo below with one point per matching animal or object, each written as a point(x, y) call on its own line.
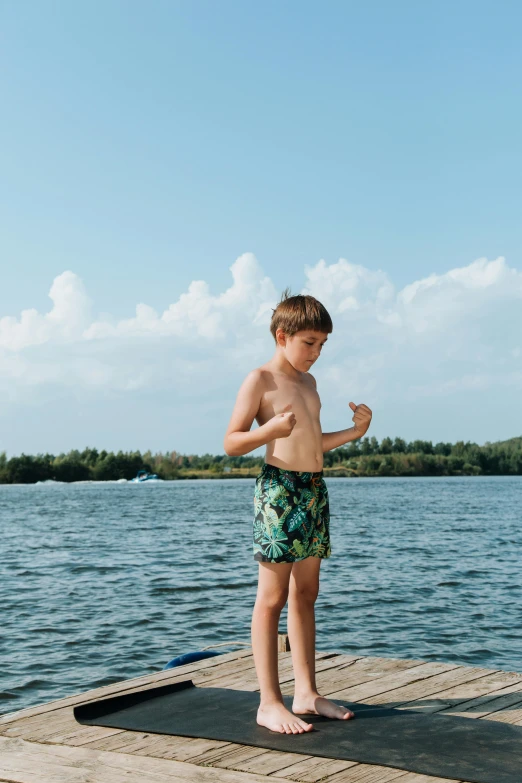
point(302, 450)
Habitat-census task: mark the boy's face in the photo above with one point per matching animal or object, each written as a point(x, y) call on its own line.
point(304, 348)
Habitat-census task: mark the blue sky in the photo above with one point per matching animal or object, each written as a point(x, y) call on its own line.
point(149, 145)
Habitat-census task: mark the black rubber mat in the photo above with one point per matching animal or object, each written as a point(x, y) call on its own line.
point(475, 750)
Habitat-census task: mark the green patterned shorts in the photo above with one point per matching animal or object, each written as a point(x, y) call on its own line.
point(291, 515)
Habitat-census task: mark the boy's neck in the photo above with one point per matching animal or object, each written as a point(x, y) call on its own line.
point(281, 364)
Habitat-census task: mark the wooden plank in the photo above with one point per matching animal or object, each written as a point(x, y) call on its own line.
point(30, 728)
point(413, 777)
point(364, 670)
point(313, 769)
point(161, 745)
point(248, 664)
point(488, 707)
point(28, 762)
point(390, 682)
point(211, 756)
point(433, 688)
point(410, 684)
point(245, 678)
point(259, 760)
point(127, 739)
point(470, 692)
point(61, 723)
point(373, 681)
point(64, 729)
point(236, 756)
point(366, 773)
point(177, 748)
point(351, 674)
point(513, 716)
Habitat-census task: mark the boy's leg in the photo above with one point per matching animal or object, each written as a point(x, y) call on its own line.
point(303, 591)
point(272, 594)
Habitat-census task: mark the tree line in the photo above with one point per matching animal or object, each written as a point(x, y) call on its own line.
point(364, 457)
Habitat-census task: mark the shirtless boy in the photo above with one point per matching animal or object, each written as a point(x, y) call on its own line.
point(291, 525)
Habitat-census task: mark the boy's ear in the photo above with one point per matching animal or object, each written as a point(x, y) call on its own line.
point(281, 335)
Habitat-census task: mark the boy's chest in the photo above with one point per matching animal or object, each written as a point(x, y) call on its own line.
point(302, 398)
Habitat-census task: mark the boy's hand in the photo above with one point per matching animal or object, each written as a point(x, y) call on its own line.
point(362, 417)
point(282, 424)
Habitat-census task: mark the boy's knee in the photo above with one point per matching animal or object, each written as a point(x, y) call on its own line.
point(273, 600)
point(305, 593)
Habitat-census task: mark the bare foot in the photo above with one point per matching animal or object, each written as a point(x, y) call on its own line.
point(315, 704)
point(277, 718)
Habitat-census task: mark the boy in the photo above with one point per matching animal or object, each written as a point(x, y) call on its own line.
point(291, 526)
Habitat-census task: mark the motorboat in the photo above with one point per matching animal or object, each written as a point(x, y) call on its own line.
point(144, 476)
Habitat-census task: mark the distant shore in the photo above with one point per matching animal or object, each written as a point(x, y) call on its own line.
point(362, 458)
point(336, 472)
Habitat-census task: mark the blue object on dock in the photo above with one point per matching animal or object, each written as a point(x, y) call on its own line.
point(190, 657)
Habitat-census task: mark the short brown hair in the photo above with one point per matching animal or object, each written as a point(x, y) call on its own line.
point(297, 313)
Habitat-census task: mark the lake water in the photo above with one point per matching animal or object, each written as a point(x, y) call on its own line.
point(103, 582)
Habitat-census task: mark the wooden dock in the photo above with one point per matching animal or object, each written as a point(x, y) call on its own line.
point(45, 744)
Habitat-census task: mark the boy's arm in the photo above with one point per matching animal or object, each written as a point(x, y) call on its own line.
point(239, 439)
point(331, 440)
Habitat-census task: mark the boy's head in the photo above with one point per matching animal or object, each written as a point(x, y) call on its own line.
point(300, 326)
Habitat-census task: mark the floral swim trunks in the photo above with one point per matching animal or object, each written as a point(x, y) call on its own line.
point(291, 515)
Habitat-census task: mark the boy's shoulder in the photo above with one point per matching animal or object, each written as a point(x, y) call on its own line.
point(255, 380)
point(259, 374)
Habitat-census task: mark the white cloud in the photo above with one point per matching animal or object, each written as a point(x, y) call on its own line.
point(197, 314)
point(65, 321)
point(437, 334)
